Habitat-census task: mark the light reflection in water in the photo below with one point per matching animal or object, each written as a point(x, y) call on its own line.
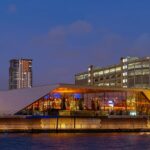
point(76, 141)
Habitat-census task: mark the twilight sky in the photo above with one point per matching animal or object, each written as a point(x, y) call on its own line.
point(64, 37)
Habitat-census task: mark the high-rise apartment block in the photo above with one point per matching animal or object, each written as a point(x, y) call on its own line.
point(131, 72)
point(20, 73)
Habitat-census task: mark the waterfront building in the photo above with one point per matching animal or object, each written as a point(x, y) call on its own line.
point(74, 100)
point(20, 73)
point(131, 72)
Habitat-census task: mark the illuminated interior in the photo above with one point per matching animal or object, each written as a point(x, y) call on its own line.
point(77, 99)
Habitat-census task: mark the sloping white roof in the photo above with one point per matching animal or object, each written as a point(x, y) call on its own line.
point(12, 101)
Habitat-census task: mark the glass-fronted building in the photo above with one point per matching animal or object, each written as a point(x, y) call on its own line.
point(84, 100)
point(131, 72)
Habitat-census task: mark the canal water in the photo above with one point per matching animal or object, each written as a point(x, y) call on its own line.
point(76, 141)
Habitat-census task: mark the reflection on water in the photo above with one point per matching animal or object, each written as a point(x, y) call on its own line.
point(76, 141)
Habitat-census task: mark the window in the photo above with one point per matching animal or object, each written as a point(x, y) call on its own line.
point(124, 86)
point(96, 74)
point(125, 73)
point(106, 71)
point(101, 72)
point(112, 84)
point(138, 65)
point(100, 84)
point(89, 69)
point(106, 84)
point(131, 73)
point(131, 66)
point(146, 71)
point(112, 70)
point(125, 80)
point(96, 80)
point(138, 72)
point(118, 69)
point(124, 60)
point(125, 67)
point(81, 77)
point(146, 65)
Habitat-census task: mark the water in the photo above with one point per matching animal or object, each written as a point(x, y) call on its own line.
point(76, 141)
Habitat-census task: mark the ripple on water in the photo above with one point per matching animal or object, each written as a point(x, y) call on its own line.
point(75, 141)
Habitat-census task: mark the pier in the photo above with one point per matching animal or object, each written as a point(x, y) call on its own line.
point(73, 124)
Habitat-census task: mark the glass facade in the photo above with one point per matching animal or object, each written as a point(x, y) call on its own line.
point(112, 102)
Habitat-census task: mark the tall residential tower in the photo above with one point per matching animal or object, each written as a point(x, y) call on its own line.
point(20, 73)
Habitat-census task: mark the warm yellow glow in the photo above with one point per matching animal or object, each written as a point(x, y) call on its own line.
point(67, 90)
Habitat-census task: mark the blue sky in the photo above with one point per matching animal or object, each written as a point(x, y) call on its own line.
point(63, 37)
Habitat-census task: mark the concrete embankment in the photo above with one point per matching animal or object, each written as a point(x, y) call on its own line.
point(73, 124)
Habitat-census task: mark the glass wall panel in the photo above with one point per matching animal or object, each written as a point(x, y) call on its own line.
point(105, 102)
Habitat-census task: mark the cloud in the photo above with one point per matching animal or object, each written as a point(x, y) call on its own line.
point(12, 8)
point(57, 36)
point(80, 27)
point(75, 46)
point(77, 27)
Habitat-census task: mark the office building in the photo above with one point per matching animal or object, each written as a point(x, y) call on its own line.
point(130, 72)
point(20, 73)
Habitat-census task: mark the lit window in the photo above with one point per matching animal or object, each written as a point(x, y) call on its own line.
point(101, 72)
point(146, 71)
point(125, 67)
point(125, 80)
point(106, 84)
point(89, 80)
point(138, 66)
point(124, 86)
point(100, 84)
point(131, 73)
point(146, 65)
point(96, 74)
point(112, 84)
point(125, 73)
point(131, 66)
point(81, 77)
point(118, 69)
point(89, 69)
point(124, 60)
point(138, 72)
point(112, 70)
point(106, 71)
